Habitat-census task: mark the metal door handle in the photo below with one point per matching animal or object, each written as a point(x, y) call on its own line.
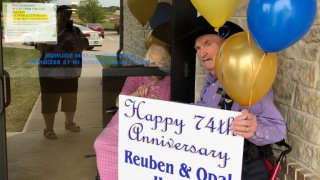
point(7, 94)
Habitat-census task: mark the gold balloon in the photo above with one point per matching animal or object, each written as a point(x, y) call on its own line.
point(142, 10)
point(153, 40)
point(245, 72)
point(216, 12)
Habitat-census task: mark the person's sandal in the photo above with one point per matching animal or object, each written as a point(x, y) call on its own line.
point(73, 127)
point(49, 134)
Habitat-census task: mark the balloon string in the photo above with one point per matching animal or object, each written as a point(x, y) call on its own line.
point(254, 78)
point(251, 91)
point(222, 70)
point(248, 36)
point(249, 42)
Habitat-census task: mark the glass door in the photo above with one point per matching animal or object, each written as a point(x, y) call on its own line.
point(38, 51)
point(55, 56)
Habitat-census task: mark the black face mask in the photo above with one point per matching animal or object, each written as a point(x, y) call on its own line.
point(69, 25)
point(66, 14)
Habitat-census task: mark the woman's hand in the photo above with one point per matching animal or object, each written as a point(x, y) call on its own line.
point(244, 125)
point(144, 90)
point(141, 91)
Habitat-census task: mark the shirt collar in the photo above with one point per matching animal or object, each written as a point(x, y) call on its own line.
point(210, 79)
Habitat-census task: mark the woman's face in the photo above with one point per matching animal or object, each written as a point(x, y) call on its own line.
point(156, 60)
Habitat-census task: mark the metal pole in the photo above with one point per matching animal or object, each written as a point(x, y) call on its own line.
point(121, 33)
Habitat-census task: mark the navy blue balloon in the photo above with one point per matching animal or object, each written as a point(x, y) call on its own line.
point(277, 24)
point(162, 14)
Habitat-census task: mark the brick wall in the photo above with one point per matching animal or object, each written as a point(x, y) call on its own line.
point(297, 95)
point(297, 91)
point(134, 33)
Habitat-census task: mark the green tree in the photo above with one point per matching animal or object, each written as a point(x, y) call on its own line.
point(91, 11)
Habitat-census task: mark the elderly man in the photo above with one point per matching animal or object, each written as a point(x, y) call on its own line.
point(260, 125)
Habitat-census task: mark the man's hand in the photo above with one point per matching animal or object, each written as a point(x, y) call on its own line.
point(244, 125)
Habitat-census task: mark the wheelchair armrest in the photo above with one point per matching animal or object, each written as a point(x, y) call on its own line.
point(283, 143)
point(111, 110)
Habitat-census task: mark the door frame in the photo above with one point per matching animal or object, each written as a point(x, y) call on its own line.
point(183, 58)
point(3, 136)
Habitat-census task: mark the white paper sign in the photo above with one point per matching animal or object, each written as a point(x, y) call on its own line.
point(30, 22)
point(161, 140)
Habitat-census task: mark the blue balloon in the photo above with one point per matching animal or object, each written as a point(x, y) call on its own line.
point(277, 24)
point(162, 14)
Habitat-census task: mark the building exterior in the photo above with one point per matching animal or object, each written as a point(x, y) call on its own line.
point(297, 90)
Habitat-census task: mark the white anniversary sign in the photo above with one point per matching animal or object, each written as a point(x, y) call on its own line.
point(161, 140)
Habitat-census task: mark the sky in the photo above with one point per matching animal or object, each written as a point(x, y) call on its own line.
point(104, 3)
point(107, 3)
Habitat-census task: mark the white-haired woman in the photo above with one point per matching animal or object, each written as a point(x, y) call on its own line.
point(157, 87)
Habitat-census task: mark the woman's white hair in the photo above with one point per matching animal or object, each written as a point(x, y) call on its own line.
point(164, 53)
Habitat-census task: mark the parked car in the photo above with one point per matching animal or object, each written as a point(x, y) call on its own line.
point(96, 27)
point(94, 37)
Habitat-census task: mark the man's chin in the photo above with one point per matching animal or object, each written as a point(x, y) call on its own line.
point(208, 66)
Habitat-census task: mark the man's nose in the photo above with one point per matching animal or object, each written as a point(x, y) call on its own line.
point(202, 53)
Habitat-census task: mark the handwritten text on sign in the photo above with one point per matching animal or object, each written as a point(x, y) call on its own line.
point(170, 141)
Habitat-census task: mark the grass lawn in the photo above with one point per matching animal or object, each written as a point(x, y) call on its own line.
point(108, 25)
point(107, 61)
point(110, 20)
point(111, 61)
point(24, 85)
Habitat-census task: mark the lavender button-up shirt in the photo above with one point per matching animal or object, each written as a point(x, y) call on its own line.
point(271, 127)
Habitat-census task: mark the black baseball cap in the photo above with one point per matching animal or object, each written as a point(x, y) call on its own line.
point(202, 27)
point(63, 7)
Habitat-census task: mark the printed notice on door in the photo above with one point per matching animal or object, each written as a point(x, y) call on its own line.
point(29, 22)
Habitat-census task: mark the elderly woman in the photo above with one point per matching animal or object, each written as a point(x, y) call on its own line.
point(157, 87)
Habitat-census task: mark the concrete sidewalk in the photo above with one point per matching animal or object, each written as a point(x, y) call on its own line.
point(33, 157)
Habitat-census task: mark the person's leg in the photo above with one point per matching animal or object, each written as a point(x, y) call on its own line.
point(69, 103)
point(69, 117)
point(254, 170)
point(49, 120)
point(48, 132)
point(69, 124)
point(68, 106)
point(49, 108)
point(49, 105)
